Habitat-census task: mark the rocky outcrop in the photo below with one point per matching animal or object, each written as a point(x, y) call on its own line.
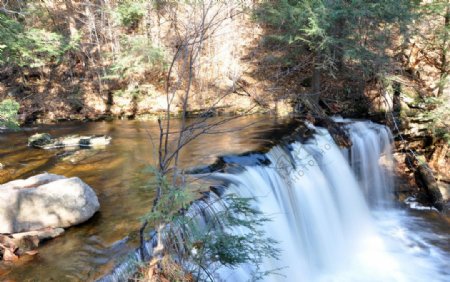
point(337, 132)
point(45, 200)
point(418, 122)
point(45, 141)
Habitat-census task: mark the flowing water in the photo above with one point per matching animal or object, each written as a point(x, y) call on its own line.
point(333, 214)
point(117, 174)
point(332, 210)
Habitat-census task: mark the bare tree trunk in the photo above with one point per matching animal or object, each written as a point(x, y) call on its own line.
point(101, 71)
point(148, 21)
point(316, 79)
point(445, 46)
point(338, 30)
point(71, 19)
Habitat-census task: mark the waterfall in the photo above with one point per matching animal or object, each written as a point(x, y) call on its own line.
point(321, 200)
point(331, 212)
point(371, 160)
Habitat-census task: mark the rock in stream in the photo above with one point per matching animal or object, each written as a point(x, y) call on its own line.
point(45, 201)
point(46, 141)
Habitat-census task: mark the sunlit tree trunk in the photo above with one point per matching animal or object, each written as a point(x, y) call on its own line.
point(444, 56)
point(70, 12)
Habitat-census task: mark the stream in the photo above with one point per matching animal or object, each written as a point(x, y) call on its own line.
point(392, 239)
point(118, 175)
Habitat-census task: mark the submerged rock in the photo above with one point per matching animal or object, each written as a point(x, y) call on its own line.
point(45, 200)
point(76, 156)
point(45, 141)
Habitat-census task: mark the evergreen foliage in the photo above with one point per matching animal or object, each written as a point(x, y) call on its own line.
point(229, 236)
point(8, 114)
point(204, 235)
point(138, 57)
point(439, 114)
point(173, 199)
point(352, 32)
point(30, 47)
point(138, 62)
point(439, 41)
point(130, 13)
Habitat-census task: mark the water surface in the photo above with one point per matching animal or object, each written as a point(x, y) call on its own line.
point(117, 174)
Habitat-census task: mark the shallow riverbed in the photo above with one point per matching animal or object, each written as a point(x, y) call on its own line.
point(117, 174)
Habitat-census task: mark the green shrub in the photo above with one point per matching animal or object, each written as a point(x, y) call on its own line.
point(8, 114)
point(31, 47)
point(130, 13)
point(140, 57)
point(439, 113)
point(203, 246)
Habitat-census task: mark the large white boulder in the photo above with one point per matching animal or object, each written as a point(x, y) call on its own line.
point(45, 200)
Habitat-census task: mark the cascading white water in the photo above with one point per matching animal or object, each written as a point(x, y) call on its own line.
point(320, 213)
point(372, 145)
point(331, 214)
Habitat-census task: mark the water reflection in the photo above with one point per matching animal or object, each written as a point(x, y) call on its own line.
point(116, 173)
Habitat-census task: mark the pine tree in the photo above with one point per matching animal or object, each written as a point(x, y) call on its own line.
point(342, 35)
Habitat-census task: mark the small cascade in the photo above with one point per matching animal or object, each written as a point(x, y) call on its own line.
point(128, 266)
point(371, 159)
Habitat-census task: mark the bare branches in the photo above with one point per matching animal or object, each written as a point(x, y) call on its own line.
point(12, 8)
point(191, 34)
point(4, 10)
point(197, 24)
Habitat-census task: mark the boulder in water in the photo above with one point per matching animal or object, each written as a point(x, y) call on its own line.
point(39, 140)
point(45, 200)
point(45, 141)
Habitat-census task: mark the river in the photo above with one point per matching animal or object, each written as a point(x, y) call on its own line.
point(117, 173)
